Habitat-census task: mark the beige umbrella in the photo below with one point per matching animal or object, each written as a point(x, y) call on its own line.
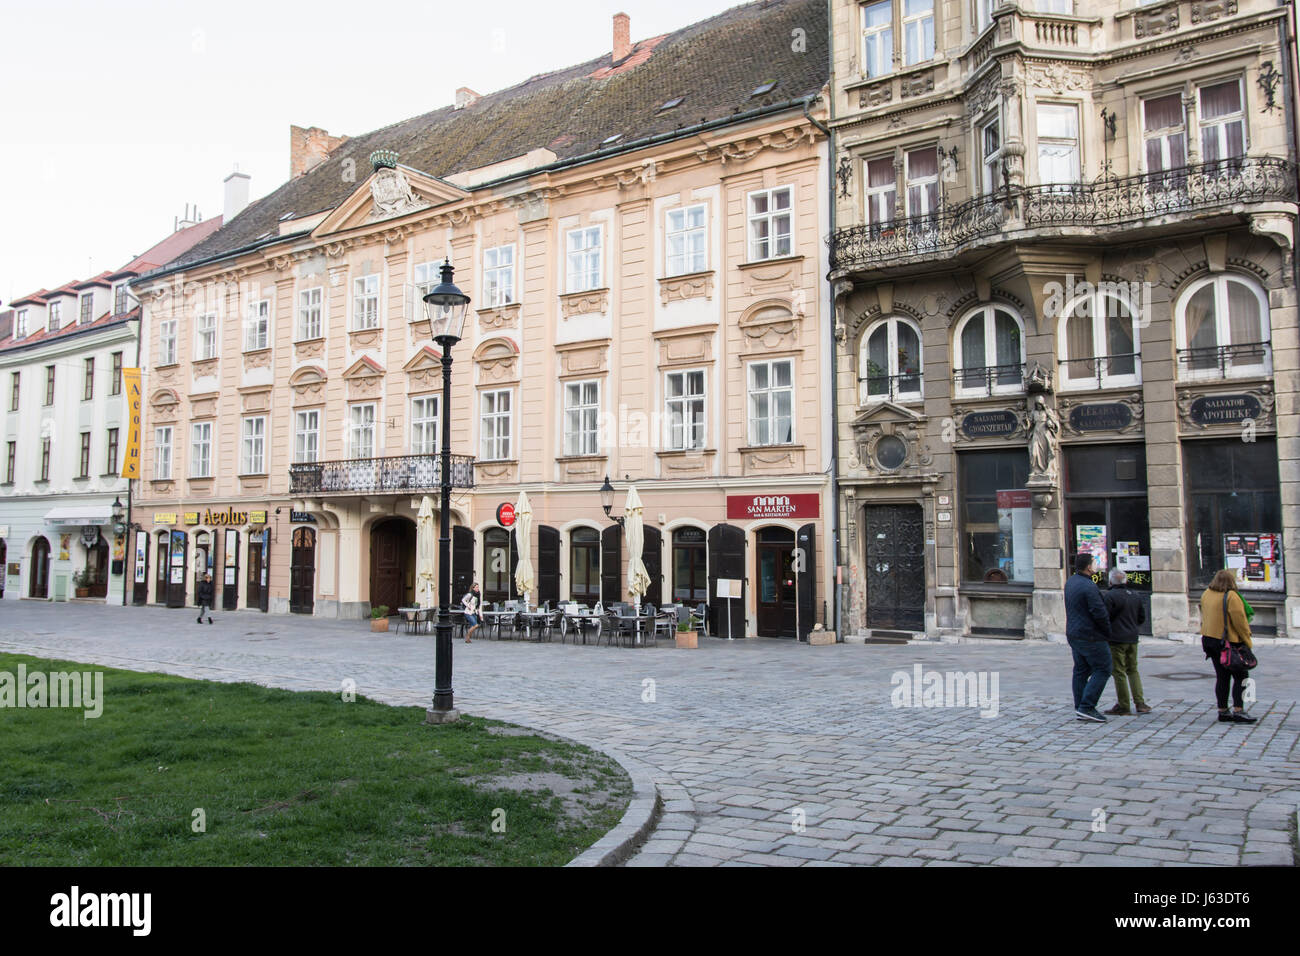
point(524, 582)
point(425, 543)
point(638, 580)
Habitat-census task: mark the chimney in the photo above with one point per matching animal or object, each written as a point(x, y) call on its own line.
point(466, 97)
point(622, 36)
point(308, 148)
point(236, 194)
point(189, 219)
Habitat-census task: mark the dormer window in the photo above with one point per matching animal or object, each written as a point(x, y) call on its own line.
point(56, 316)
point(87, 304)
point(20, 324)
point(119, 298)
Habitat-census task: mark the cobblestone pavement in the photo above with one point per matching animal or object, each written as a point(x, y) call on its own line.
point(772, 753)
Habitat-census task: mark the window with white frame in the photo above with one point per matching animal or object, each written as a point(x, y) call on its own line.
point(686, 250)
point(426, 276)
point(424, 425)
point(119, 298)
point(162, 452)
point(494, 424)
point(1223, 328)
point(361, 430)
point(167, 342)
point(889, 363)
point(365, 302)
point(581, 418)
point(771, 402)
point(87, 304)
point(1223, 121)
point(1058, 144)
point(310, 304)
point(918, 31)
point(306, 436)
point(583, 248)
point(1164, 132)
point(56, 316)
point(922, 170)
point(878, 38)
point(201, 450)
point(990, 347)
point(684, 397)
point(499, 275)
point(20, 324)
point(990, 143)
point(257, 325)
point(205, 327)
point(771, 223)
point(252, 446)
point(1099, 341)
point(882, 190)
point(984, 13)
point(1055, 6)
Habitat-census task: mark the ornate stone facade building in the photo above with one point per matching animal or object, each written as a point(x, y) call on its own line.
point(1065, 294)
point(642, 237)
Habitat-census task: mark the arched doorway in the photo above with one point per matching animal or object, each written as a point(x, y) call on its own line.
point(776, 585)
point(97, 566)
point(40, 576)
point(392, 563)
point(302, 572)
point(500, 558)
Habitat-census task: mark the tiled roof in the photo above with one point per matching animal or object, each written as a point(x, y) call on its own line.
point(714, 64)
point(174, 245)
point(69, 330)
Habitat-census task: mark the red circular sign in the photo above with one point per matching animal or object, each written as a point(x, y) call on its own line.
point(506, 515)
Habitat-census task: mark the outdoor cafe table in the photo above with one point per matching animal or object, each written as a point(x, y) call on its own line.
point(582, 620)
point(638, 621)
point(494, 619)
point(534, 619)
point(457, 618)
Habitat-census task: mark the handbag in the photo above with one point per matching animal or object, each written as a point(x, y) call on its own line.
point(1236, 659)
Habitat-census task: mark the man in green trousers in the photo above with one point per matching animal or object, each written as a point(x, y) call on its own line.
point(1126, 616)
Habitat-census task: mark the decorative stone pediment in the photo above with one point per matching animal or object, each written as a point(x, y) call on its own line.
point(890, 440)
point(424, 370)
point(695, 285)
point(308, 384)
point(365, 378)
point(388, 193)
point(685, 346)
point(204, 406)
point(770, 325)
point(583, 358)
point(584, 303)
point(164, 405)
point(497, 360)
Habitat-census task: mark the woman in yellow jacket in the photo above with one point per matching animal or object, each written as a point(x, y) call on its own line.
point(1220, 595)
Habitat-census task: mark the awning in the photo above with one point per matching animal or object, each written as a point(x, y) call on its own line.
point(80, 514)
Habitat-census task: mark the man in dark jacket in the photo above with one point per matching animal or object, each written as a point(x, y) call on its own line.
point(203, 597)
point(1126, 616)
point(1087, 629)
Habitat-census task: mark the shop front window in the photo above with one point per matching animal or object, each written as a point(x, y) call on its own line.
point(690, 554)
point(1234, 512)
point(996, 512)
point(1105, 490)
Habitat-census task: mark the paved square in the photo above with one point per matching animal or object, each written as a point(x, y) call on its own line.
point(780, 754)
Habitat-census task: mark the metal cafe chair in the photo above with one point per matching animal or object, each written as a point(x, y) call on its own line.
point(409, 618)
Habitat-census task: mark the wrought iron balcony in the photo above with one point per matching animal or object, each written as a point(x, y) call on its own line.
point(990, 378)
point(1225, 361)
point(399, 474)
point(929, 235)
point(890, 387)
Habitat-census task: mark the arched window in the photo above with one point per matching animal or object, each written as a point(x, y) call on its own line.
point(889, 362)
point(1223, 329)
point(1098, 341)
point(990, 352)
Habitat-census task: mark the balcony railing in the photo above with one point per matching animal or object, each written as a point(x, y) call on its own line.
point(1243, 358)
point(930, 234)
point(399, 474)
point(890, 387)
point(990, 378)
point(1100, 371)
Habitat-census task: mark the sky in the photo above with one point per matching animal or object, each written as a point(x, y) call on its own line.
point(115, 115)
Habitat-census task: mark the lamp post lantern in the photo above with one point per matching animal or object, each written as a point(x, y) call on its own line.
point(446, 306)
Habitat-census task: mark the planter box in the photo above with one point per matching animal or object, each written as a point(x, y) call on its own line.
point(379, 623)
point(817, 638)
point(82, 592)
point(688, 639)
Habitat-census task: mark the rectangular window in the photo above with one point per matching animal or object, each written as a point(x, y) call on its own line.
point(1223, 122)
point(771, 402)
point(922, 169)
point(1232, 490)
point(88, 386)
point(206, 327)
point(1164, 132)
point(882, 190)
point(361, 431)
point(581, 418)
point(110, 459)
point(1058, 144)
point(167, 342)
point(499, 275)
point(306, 436)
point(56, 316)
point(990, 138)
point(119, 298)
point(84, 471)
point(426, 276)
point(918, 31)
point(115, 385)
point(309, 314)
point(11, 462)
point(365, 302)
point(201, 450)
point(878, 38)
point(583, 258)
point(20, 324)
point(45, 459)
point(684, 411)
point(424, 425)
point(495, 420)
point(162, 452)
point(252, 446)
point(14, 388)
point(996, 516)
point(257, 325)
point(49, 385)
point(770, 223)
point(1055, 6)
point(687, 251)
point(87, 303)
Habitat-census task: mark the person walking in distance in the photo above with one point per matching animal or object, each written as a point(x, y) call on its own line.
point(1087, 629)
point(203, 597)
point(470, 602)
point(1126, 615)
point(1223, 619)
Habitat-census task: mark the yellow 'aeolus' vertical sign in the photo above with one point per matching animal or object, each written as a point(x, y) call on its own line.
point(135, 407)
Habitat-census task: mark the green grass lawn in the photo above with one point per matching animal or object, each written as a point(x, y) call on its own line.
point(286, 778)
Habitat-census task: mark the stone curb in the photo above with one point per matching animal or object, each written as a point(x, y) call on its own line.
point(638, 820)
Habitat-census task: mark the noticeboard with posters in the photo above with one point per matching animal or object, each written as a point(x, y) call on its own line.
point(1257, 559)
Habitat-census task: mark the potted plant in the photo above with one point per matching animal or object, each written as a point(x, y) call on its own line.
point(379, 618)
point(81, 583)
point(686, 636)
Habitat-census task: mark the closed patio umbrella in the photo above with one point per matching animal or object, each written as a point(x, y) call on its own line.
point(524, 583)
point(424, 550)
point(638, 580)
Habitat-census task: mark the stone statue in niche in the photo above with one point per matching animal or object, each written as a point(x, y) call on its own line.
point(1044, 429)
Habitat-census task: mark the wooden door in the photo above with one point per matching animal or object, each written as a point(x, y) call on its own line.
point(177, 562)
point(40, 572)
point(97, 565)
point(774, 575)
point(302, 572)
point(387, 544)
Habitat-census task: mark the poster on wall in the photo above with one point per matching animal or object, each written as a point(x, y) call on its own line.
point(141, 546)
point(178, 575)
point(1091, 539)
point(65, 545)
point(1257, 559)
point(232, 546)
point(1129, 556)
point(1015, 534)
point(230, 576)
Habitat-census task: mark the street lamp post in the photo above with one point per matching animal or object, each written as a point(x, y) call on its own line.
point(446, 307)
point(120, 528)
point(607, 504)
